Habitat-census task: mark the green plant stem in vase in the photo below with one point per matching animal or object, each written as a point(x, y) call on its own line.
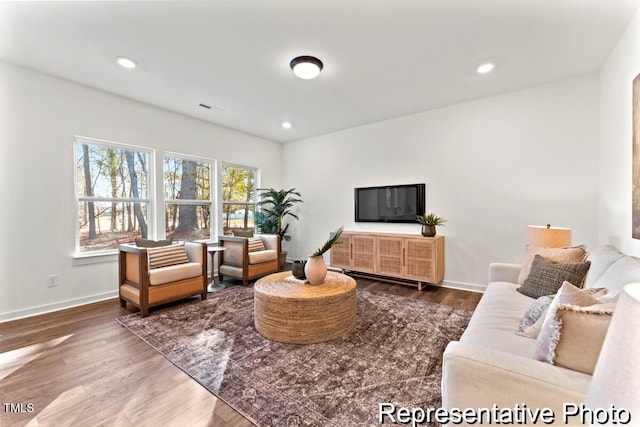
point(316, 268)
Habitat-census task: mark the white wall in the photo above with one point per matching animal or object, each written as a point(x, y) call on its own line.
point(615, 141)
point(492, 166)
point(40, 116)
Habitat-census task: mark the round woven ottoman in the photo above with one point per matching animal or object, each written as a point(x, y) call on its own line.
point(298, 313)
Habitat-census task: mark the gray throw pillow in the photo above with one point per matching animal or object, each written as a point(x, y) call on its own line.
point(243, 233)
point(546, 277)
point(145, 243)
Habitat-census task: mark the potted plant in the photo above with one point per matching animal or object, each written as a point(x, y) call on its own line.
point(316, 269)
point(429, 223)
point(275, 206)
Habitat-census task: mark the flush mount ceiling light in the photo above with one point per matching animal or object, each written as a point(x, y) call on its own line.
point(485, 68)
point(306, 67)
point(127, 63)
point(286, 125)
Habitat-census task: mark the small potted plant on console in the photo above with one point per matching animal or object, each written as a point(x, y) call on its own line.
point(429, 223)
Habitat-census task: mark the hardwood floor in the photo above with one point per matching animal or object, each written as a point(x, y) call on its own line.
point(80, 367)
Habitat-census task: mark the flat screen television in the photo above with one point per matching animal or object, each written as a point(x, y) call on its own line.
point(390, 203)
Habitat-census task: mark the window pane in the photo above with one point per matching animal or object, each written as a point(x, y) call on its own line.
point(186, 179)
point(104, 225)
point(107, 171)
point(188, 222)
point(238, 184)
point(236, 217)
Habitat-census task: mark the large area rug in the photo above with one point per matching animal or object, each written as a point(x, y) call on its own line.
point(394, 355)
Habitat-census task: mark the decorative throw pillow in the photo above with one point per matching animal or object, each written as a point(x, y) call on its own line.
point(255, 244)
point(146, 243)
point(557, 255)
point(572, 336)
point(167, 255)
point(243, 233)
point(546, 277)
point(535, 311)
point(534, 317)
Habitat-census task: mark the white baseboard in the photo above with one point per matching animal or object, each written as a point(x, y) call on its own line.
point(472, 287)
point(48, 308)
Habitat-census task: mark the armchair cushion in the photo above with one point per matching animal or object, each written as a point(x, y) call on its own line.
point(174, 273)
point(167, 255)
point(262, 256)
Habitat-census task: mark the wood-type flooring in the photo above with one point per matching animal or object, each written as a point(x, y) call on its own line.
point(80, 367)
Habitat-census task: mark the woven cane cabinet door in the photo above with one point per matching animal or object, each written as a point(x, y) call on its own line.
point(424, 259)
point(341, 252)
point(390, 256)
point(363, 253)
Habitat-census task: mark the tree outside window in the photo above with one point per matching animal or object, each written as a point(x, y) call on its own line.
point(112, 194)
point(188, 197)
point(238, 197)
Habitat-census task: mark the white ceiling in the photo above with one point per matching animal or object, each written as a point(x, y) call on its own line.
point(383, 58)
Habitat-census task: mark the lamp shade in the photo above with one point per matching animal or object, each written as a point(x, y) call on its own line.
point(616, 379)
point(547, 237)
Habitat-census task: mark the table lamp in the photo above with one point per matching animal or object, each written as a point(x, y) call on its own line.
point(616, 379)
point(547, 236)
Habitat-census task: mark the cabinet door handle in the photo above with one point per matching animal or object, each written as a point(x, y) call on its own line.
point(403, 258)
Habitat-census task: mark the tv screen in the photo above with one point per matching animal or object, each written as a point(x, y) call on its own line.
point(391, 203)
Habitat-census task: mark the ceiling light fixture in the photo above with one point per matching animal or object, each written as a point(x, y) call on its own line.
point(127, 63)
point(485, 68)
point(306, 67)
point(286, 125)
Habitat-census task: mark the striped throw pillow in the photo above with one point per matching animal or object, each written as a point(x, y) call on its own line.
point(167, 255)
point(255, 244)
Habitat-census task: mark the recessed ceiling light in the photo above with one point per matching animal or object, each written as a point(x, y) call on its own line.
point(306, 67)
point(485, 68)
point(127, 63)
point(286, 125)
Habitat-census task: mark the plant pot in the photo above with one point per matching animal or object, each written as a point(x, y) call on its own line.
point(298, 269)
point(282, 259)
point(428, 230)
point(315, 270)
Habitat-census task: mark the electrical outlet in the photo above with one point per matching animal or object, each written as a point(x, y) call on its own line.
point(53, 281)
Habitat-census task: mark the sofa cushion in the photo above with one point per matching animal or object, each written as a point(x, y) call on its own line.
point(262, 256)
point(546, 276)
point(601, 259)
point(173, 273)
point(557, 255)
point(623, 271)
point(574, 330)
point(167, 255)
point(496, 319)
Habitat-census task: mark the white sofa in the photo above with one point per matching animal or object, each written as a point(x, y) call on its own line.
point(490, 364)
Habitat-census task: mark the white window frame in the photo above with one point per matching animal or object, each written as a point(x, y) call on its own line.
point(256, 180)
point(213, 185)
point(149, 200)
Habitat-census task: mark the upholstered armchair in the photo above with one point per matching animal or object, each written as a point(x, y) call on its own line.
point(248, 258)
point(154, 276)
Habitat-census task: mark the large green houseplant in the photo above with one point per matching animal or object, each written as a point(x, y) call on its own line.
point(275, 207)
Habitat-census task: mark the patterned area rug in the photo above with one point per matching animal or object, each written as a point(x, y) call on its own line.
point(394, 355)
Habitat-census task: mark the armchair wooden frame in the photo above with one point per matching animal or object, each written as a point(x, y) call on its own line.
point(133, 278)
point(234, 262)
